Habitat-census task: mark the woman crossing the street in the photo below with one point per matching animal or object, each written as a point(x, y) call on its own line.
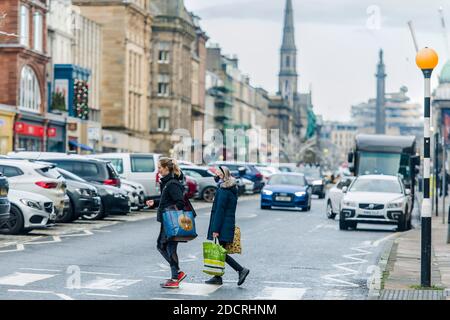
point(172, 198)
point(223, 218)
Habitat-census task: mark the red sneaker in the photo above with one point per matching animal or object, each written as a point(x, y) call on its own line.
point(170, 284)
point(181, 276)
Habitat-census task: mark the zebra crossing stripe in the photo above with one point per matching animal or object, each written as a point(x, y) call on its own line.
point(22, 279)
point(277, 293)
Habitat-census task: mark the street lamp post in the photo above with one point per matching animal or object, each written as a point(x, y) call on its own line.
point(426, 59)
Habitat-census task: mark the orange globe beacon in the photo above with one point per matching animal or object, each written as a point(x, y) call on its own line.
point(427, 59)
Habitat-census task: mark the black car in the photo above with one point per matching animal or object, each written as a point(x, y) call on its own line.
point(91, 170)
point(315, 178)
point(4, 202)
point(112, 200)
point(84, 199)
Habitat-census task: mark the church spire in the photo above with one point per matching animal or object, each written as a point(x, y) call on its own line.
point(288, 31)
point(288, 78)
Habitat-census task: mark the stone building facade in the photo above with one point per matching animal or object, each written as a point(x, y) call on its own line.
point(174, 36)
point(124, 90)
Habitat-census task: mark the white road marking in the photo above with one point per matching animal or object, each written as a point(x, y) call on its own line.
point(336, 279)
point(109, 284)
point(378, 242)
point(335, 295)
point(277, 293)
point(189, 258)
point(61, 295)
point(23, 279)
point(194, 289)
point(281, 282)
point(83, 234)
point(105, 295)
point(55, 239)
point(19, 247)
point(103, 231)
point(101, 273)
point(35, 269)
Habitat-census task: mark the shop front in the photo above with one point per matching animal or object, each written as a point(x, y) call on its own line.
point(56, 136)
point(7, 115)
point(30, 134)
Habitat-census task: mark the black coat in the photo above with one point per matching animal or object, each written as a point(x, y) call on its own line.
point(172, 195)
point(223, 214)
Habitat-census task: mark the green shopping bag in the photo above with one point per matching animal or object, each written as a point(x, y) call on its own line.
point(214, 258)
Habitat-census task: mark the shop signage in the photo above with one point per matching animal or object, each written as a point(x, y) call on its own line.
point(29, 130)
point(33, 130)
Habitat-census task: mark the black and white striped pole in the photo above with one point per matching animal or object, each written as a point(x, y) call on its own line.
point(426, 59)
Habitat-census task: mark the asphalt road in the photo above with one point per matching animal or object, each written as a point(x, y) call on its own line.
point(291, 255)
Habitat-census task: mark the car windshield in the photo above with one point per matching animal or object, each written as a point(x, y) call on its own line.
point(283, 179)
point(310, 172)
point(70, 176)
point(376, 185)
point(384, 163)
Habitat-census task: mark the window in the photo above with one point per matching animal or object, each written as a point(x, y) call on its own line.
point(288, 61)
point(192, 174)
point(10, 172)
point(142, 164)
point(24, 26)
point(38, 31)
point(163, 119)
point(117, 164)
point(85, 169)
point(163, 85)
point(163, 52)
point(30, 93)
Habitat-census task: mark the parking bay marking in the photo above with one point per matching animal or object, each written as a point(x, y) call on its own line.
point(22, 279)
point(61, 295)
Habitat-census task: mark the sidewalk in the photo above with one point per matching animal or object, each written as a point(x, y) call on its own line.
point(401, 276)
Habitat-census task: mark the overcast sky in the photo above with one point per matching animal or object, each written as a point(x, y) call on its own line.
point(337, 51)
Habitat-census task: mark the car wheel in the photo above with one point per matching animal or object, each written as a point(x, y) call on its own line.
point(352, 224)
point(342, 223)
point(15, 223)
point(322, 195)
point(208, 194)
point(68, 215)
point(95, 216)
point(402, 223)
point(330, 214)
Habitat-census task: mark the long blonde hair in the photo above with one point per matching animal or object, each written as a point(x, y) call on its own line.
point(171, 164)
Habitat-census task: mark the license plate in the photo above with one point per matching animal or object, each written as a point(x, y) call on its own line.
point(372, 212)
point(3, 192)
point(283, 198)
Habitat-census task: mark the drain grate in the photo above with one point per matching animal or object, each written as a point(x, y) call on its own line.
point(412, 295)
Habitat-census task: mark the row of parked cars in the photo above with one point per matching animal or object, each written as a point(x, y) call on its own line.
point(41, 189)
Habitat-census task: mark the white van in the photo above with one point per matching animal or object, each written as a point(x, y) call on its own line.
point(137, 167)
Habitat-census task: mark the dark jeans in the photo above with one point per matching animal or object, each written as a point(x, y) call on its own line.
point(168, 250)
point(231, 262)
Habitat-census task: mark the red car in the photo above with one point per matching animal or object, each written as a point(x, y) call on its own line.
point(191, 187)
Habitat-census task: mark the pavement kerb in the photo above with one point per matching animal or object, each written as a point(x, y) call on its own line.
point(375, 288)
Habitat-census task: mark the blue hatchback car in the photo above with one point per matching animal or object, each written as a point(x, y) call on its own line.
point(287, 190)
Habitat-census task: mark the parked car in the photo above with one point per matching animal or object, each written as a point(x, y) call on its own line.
point(244, 170)
point(287, 190)
point(267, 171)
point(113, 200)
point(132, 195)
point(138, 194)
point(335, 195)
point(249, 186)
point(29, 211)
point(36, 177)
point(192, 187)
point(315, 178)
point(136, 167)
point(205, 179)
point(90, 169)
point(4, 202)
point(379, 199)
point(83, 199)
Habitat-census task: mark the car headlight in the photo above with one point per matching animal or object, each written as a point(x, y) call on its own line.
point(351, 204)
point(32, 204)
point(267, 192)
point(395, 205)
point(84, 192)
point(300, 193)
point(317, 182)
